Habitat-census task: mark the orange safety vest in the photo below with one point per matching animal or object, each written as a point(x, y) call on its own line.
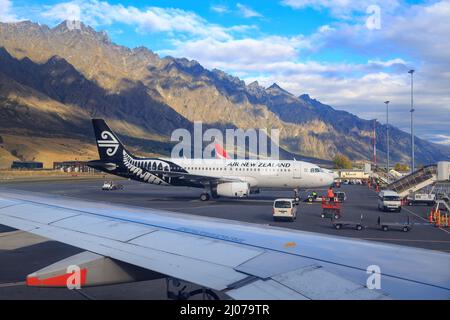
point(330, 194)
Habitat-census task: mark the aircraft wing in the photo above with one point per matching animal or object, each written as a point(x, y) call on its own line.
point(195, 177)
point(243, 260)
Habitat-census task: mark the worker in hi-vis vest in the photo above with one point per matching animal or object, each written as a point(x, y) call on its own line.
point(330, 194)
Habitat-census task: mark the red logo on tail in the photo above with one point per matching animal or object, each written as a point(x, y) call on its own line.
point(221, 153)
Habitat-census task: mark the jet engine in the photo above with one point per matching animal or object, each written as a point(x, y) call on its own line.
point(233, 189)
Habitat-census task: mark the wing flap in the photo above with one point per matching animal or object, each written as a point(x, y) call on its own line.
point(18, 223)
point(265, 290)
point(107, 228)
point(197, 247)
point(316, 283)
point(38, 213)
point(272, 263)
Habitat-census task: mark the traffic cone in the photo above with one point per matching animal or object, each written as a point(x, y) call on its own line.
point(431, 216)
point(438, 218)
point(448, 222)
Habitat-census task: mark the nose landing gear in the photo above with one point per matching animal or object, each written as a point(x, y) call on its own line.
point(296, 196)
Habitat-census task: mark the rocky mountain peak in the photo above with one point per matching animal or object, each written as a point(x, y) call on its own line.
point(256, 90)
point(305, 97)
point(221, 75)
point(254, 84)
point(78, 27)
point(276, 89)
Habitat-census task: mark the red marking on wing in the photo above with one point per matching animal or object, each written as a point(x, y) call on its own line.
point(56, 281)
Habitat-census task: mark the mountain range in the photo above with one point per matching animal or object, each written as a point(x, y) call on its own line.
point(54, 80)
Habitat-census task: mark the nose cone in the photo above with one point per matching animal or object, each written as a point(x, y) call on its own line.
point(325, 180)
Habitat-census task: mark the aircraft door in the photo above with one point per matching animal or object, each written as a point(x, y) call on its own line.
point(297, 170)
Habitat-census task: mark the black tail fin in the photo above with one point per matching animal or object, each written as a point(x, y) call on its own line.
point(109, 146)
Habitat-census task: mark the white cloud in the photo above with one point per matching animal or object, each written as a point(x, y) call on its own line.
point(247, 12)
point(148, 20)
point(388, 63)
point(64, 11)
point(439, 138)
point(220, 9)
point(239, 53)
point(6, 14)
point(342, 8)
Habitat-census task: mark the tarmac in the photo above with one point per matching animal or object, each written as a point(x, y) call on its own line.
point(22, 253)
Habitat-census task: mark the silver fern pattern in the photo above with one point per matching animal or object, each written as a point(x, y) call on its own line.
point(140, 168)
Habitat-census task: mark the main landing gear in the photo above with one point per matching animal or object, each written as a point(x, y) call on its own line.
point(204, 196)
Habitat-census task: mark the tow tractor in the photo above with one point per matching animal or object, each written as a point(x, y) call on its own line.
point(109, 185)
point(331, 208)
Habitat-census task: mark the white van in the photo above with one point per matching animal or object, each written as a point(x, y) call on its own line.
point(389, 200)
point(284, 209)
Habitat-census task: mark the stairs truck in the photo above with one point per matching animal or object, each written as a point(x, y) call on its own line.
point(420, 179)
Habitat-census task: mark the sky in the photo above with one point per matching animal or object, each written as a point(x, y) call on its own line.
point(352, 55)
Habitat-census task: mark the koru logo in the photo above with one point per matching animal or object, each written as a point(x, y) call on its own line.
point(108, 141)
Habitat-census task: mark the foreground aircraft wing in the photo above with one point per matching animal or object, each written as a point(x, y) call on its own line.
point(242, 260)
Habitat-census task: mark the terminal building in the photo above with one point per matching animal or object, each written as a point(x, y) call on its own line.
point(72, 166)
point(27, 165)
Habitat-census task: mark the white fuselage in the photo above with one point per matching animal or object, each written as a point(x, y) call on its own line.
point(260, 173)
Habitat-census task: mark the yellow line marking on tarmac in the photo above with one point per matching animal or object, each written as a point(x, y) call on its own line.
point(12, 284)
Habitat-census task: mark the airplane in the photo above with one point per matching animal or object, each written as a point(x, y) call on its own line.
point(232, 258)
point(218, 177)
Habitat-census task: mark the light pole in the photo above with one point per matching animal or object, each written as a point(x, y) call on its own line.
point(387, 135)
point(375, 142)
point(412, 121)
